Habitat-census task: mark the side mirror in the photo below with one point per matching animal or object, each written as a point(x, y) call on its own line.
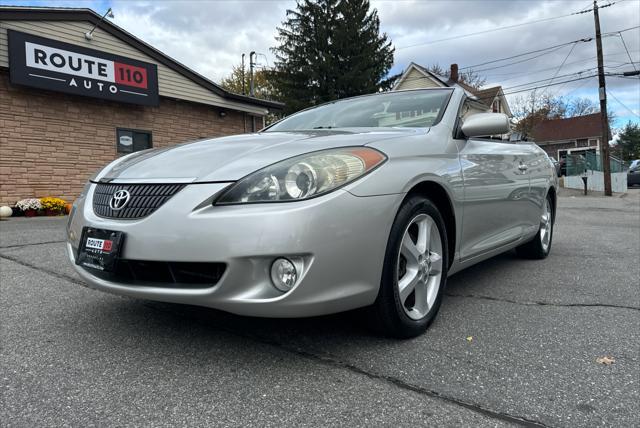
point(484, 124)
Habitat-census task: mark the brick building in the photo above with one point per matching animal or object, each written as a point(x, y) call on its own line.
point(70, 102)
point(559, 137)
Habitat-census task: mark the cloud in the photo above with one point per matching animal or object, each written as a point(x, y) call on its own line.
point(210, 36)
point(413, 22)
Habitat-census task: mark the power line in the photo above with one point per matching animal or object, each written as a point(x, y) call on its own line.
point(546, 86)
point(552, 48)
point(562, 64)
point(621, 103)
point(578, 87)
point(628, 54)
point(551, 68)
point(410, 79)
point(577, 73)
point(555, 47)
point(599, 7)
point(551, 84)
point(523, 84)
point(461, 36)
point(613, 33)
point(509, 64)
point(506, 27)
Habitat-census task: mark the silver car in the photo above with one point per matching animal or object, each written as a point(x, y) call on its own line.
point(364, 202)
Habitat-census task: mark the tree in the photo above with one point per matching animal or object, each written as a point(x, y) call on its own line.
point(330, 49)
point(469, 77)
point(534, 108)
point(581, 107)
point(262, 82)
point(629, 141)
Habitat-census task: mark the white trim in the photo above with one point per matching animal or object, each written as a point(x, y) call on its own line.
point(134, 93)
point(47, 77)
point(548, 143)
point(581, 149)
point(420, 70)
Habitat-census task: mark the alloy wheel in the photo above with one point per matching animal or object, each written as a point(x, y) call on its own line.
point(545, 226)
point(419, 266)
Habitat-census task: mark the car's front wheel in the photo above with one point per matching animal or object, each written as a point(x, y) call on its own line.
point(415, 270)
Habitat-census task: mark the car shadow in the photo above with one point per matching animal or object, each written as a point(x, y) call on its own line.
point(337, 328)
point(463, 281)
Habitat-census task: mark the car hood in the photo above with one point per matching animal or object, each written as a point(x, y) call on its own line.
point(231, 158)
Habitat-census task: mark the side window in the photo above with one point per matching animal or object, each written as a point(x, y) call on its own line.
point(132, 140)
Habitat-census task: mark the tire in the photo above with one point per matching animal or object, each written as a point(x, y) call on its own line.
point(540, 246)
point(422, 263)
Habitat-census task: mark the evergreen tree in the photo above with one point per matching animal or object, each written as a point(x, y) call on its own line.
point(330, 49)
point(629, 141)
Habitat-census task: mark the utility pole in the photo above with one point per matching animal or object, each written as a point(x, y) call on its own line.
point(244, 91)
point(604, 144)
point(251, 64)
point(252, 54)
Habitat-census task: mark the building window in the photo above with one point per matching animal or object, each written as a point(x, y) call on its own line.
point(132, 140)
point(496, 106)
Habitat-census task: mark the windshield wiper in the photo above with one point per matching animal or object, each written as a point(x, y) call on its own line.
point(322, 127)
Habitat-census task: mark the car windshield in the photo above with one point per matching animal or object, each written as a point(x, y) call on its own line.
point(410, 109)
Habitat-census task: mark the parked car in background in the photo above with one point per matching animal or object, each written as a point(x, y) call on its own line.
point(633, 175)
point(370, 202)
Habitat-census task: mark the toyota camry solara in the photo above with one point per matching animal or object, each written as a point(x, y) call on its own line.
point(364, 202)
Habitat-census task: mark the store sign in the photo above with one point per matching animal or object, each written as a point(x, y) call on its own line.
point(53, 65)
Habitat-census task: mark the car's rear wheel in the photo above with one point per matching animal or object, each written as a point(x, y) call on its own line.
point(540, 246)
point(415, 270)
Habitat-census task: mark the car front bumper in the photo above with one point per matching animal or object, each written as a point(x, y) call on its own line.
point(339, 239)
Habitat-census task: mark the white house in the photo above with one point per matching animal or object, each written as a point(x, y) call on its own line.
point(490, 99)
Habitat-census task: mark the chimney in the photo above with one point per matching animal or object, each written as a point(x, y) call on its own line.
point(453, 75)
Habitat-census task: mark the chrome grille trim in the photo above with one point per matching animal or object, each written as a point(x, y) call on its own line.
point(145, 199)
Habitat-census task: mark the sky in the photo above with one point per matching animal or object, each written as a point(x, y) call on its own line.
point(210, 36)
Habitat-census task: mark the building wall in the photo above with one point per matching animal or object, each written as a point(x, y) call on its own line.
point(552, 147)
point(170, 83)
point(51, 143)
point(416, 80)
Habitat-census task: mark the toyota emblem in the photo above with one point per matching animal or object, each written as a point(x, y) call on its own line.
point(119, 200)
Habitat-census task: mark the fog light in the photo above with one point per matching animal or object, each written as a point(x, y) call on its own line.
point(283, 274)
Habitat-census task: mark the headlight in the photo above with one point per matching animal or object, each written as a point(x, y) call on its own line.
point(304, 177)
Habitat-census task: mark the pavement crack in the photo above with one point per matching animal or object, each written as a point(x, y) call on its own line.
point(43, 270)
point(332, 361)
point(529, 303)
point(31, 244)
point(397, 382)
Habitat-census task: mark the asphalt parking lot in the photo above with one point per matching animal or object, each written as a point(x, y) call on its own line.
point(516, 342)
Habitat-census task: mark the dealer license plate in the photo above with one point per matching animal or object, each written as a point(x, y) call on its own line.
point(100, 248)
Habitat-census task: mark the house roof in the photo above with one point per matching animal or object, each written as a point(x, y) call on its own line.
point(572, 128)
point(440, 79)
point(14, 13)
point(447, 81)
point(486, 96)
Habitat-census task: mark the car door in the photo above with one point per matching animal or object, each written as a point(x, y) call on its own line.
point(540, 170)
point(496, 195)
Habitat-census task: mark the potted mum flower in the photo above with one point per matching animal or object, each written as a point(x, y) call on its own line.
point(53, 206)
point(29, 206)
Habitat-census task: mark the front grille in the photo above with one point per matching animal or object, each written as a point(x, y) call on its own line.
point(144, 199)
point(167, 274)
